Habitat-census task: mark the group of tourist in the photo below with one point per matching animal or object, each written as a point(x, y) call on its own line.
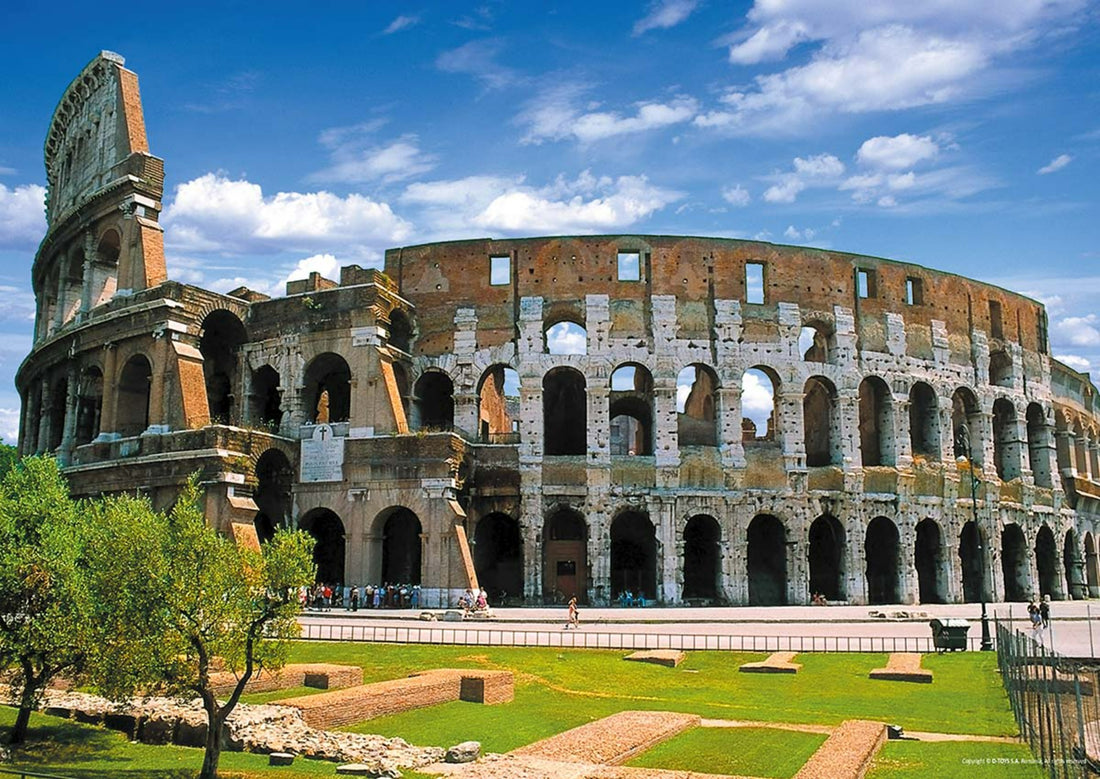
point(352, 597)
point(473, 601)
point(1039, 614)
point(627, 599)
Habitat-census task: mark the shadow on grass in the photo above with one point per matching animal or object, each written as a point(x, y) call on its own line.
point(65, 744)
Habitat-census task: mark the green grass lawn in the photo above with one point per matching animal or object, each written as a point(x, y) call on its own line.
point(764, 752)
point(973, 760)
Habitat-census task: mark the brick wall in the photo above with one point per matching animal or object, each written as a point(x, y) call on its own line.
point(320, 675)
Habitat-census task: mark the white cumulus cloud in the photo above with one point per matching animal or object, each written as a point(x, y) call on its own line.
point(22, 216)
point(555, 115)
point(1074, 361)
point(1076, 331)
point(736, 195)
point(898, 152)
point(816, 171)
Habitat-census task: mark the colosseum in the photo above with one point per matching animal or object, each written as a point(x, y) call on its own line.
point(560, 415)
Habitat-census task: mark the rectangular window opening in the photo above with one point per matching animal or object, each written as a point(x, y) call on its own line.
point(500, 270)
point(914, 291)
point(996, 322)
point(630, 266)
point(754, 282)
point(865, 283)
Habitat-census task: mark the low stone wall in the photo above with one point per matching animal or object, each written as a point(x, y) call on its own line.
point(323, 676)
point(611, 740)
point(847, 753)
point(356, 704)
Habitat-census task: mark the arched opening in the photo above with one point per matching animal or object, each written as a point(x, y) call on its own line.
point(498, 557)
point(816, 341)
point(328, 389)
point(401, 547)
point(876, 423)
point(930, 563)
point(564, 412)
point(1038, 445)
point(767, 561)
point(134, 383)
point(1000, 369)
point(1080, 449)
point(59, 401)
point(758, 405)
point(1014, 563)
point(400, 331)
point(630, 409)
point(970, 555)
point(435, 402)
point(1005, 456)
point(565, 557)
point(924, 422)
point(633, 556)
point(966, 418)
point(827, 574)
point(1092, 566)
point(881, 550)
point(274, 479)
point(1064, 442)
point(89, 405)
point(328, 552)
point(819, 420)
point(265, 400)
point(702, 557)
point(566, 338)
point(104, 281)
point(498, 406)
point(1046, 561)
point(222, 336)
point(74, 283)
point(696, 406)
point(1072, 565)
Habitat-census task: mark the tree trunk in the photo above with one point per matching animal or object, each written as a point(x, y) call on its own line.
point(213, 747)
point(23, 718)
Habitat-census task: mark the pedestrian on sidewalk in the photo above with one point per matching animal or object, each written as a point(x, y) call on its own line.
point(574, 615)
point(1044, 611)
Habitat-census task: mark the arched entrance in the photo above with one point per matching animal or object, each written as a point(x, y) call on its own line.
point(565, 557)
point(222, 336)
point(327, 389)
point(1092, 568)
point(498, 557)
point(930, 562)
point(633, 555)
point(134, 383)
point(701, 557)
point(1046, 560)
point(767, 558)
point(274, 478)
point(564, 412)
point(970, 554)
point(328, 553)
point(401, 547)
point(827, 558)
point(881, 550)
point(1014, 563)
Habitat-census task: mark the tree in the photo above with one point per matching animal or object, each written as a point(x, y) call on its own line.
point(9, 456)
point(174, 595)
point(44, 605)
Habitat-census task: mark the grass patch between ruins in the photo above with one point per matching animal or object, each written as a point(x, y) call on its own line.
point(763, 752)
point(972, 759)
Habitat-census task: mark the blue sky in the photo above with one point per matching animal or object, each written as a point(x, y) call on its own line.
point(959, 134)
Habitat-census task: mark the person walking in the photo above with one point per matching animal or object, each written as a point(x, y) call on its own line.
point(1044, 611)
point(1033, 615)
point(574, 615)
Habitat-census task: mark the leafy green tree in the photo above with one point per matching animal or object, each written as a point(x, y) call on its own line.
point(9, 456)
point(44, 605)
point(175, 596)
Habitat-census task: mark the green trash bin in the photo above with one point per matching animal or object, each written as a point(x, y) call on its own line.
point(949, 634)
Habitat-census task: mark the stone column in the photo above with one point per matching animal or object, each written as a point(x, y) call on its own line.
point(729, 418)
point(666, 434)
point(44, 418)
point(62, 292)
point(909, 582)
point(109, 415)
point(845, 433)
point(88, 280)
point(791, 426)
point(599, 426)
point(159, 383)
point(672, 561)
point(903, 440)
point(72, 398)
point(856, 536)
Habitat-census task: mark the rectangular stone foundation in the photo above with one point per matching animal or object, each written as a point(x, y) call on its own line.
point(323, 676)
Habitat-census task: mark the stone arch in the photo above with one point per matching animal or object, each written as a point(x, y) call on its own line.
point(924, 422)
point(89, 404)
point(134, 385)
point(1046, 561)
point(966, 418)
point(1038, 445)
point(498, 405)
point(223, 333)
point(1004, 440)
point(881, 548)
point(327, 530)
point(400, 331)
point(876, 422)
point(564, 556)
point(328, 379)
point(1000, 369)
point(104, 281)
point(1072, 565)
point(931, 562)
point(265, 397)
point(564, 412)
point(827, 547)
point(1014, 563)
point(767, 561)
point(697, 406)
point(973, 567)
point(1063, 441)
point(633, 555)
point(630, 410)
point(759, 404)
point(1092, 566)
point(274, 482)
point(400, 531)
point(498, 557)
point(817, 341)
point(565, 336)
point(819, 412)
point(702, 557)
point(435, 402)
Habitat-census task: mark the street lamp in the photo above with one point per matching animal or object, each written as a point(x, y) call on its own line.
point(964, 443)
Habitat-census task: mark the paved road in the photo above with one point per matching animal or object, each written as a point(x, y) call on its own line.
point(763, 628)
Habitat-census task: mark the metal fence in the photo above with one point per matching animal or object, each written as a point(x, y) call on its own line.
point(587, 638)
point(1054, 700)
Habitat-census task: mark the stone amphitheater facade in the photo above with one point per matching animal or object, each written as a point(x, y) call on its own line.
point(428, 426)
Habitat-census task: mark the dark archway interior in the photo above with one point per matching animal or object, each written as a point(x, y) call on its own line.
point(881, 550)
point(965, 411)
point(1046, 560)
point(274, 478)
point(1014, 563)
point(436, 402)
point(401, 548)
point(328, 553)
point(1004, 434)
point(59, 399)
point(89, 405)
point(873, 427)
point(767, 558)
point(971, 558)
point(328, 373)
point(1038, 445)
point(400, 331)
point(633, 556)
point(631, 426)
point(1071, 565)
point(565, 413)
point(827, 558)
point(930, 562)
point(222, 336)
point(702, 559)
point(498, 557)
point(266, 398)
point(134, 384)
point(565, 557)
point(817, 414)
point(924, 421)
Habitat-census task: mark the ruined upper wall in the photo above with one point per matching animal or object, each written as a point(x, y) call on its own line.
point(440, 278)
